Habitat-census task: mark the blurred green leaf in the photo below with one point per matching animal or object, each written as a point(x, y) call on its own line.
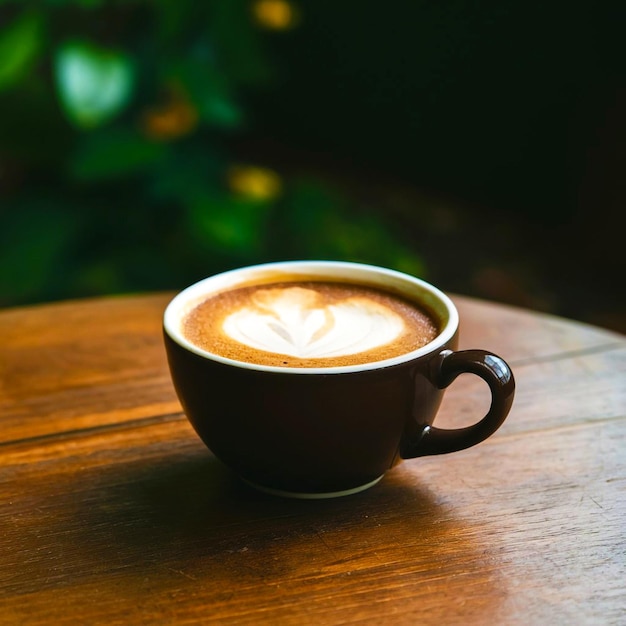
point(161, 202)
point(88, 4)
point(20, 44)
point(34, 246)
point(217, 109)
point(368, 239)
point(185, 173)
point(325, 224)
point(209, 91)
point(308, 206)
point(104, 155)
point(225, 223)
point(94, 84)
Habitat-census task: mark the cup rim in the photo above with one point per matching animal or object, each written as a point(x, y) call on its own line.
point(402, 283)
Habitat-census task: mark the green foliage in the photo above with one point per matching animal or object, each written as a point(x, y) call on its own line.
point(94, 84)
point(115, 171)
point(113, 153)
point(351, 233)
point(20, 44)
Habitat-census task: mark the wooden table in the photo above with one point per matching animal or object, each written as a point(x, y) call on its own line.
point(113, 512)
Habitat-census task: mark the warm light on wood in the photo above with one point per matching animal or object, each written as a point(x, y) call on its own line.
point(113, 512)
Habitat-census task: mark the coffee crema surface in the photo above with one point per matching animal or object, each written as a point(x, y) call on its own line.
point(308, 324)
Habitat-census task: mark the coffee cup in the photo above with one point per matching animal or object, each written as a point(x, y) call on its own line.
point(312, 379)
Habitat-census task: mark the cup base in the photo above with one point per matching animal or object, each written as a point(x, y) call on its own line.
point(312, 495)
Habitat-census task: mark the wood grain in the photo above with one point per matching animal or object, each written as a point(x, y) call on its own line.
point(112, 511)
point(75, 365)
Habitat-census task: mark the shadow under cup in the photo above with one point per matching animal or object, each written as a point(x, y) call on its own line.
point(324, 432)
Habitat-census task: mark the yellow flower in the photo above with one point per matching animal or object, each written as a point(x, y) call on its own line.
point(275, 14)
point(254, 182)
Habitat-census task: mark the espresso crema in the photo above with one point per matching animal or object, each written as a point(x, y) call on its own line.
point(308, 324)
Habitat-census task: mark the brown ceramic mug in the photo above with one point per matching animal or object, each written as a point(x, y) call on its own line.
point(318, 432)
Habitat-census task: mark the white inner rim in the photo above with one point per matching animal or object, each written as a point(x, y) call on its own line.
point(407, 286)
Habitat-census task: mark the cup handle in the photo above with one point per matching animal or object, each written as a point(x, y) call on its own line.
point(496, 373)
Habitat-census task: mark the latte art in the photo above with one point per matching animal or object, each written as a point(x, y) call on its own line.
point(308, 324)
point(295, 321)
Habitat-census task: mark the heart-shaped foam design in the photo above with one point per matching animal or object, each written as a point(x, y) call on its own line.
point(297, 322)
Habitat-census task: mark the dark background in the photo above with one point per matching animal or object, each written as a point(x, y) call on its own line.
point(480, 144)
point(509, 116)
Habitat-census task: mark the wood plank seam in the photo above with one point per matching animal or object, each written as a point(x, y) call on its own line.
point(142, 422)
point(561, 356)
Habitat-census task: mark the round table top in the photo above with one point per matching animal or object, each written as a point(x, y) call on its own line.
point(113, 511)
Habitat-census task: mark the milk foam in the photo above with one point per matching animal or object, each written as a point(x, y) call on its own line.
point(296, 321)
